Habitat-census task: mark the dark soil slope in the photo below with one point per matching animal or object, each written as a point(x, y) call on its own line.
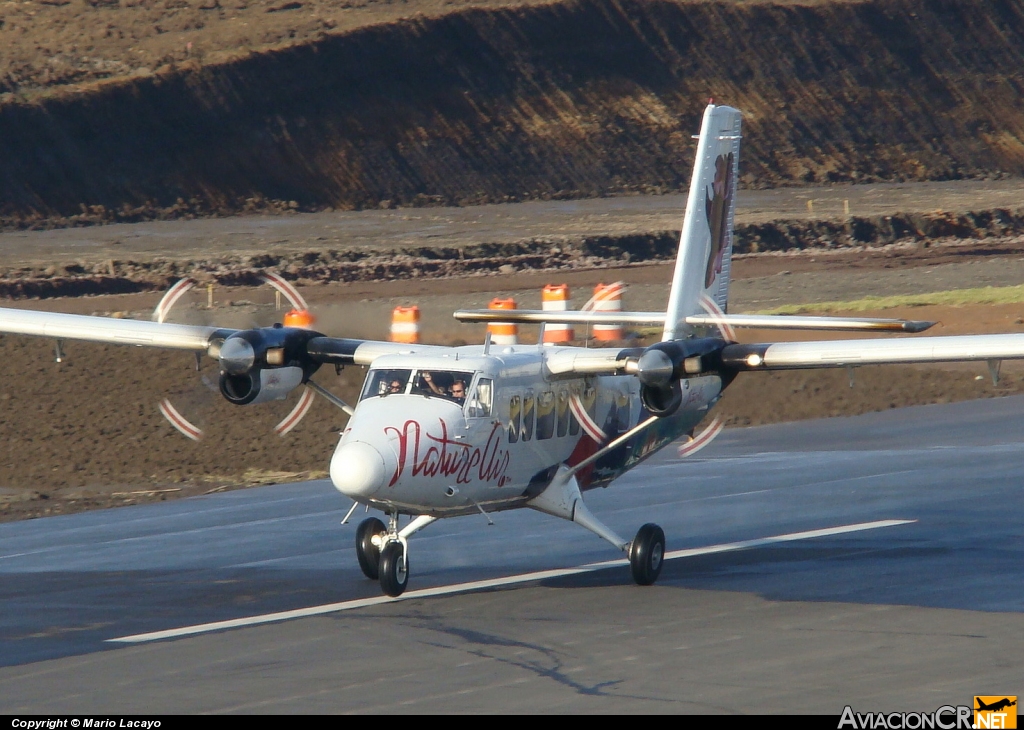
point(570, 99)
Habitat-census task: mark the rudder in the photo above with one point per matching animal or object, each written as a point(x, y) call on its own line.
point(701, 279)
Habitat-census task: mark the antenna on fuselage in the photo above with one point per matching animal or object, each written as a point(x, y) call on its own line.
point(487, 343)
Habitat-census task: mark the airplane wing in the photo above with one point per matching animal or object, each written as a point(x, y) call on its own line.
point(713, 354)
point(842, 353)
point(109, 330)
point(341, 351)
point(762, 356)
point(592, 360)
point(759, 321)
point(196, 338)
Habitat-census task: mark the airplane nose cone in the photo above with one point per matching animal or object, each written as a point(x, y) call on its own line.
point(357, 470)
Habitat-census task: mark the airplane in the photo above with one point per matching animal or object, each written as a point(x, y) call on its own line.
point(441, 432)
point(995, 706)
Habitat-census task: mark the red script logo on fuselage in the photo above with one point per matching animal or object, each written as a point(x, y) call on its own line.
point(431, 455)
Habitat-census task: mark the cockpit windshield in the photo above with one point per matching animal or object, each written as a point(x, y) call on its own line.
point(452, 385)
point(448, 384)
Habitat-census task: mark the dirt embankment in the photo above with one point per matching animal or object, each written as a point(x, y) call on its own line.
point(568, 99)
point(553, 253)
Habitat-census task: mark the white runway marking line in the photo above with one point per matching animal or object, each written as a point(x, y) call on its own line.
point(493, 583)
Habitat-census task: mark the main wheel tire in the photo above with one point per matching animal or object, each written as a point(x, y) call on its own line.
point(646, 554)
point(394, 570)
point(367, 553)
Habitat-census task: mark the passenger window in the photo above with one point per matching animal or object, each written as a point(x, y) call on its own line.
point(528, 416)
point(589, 398)
point(545, 415)
point(622, 422)
point(480, 400)
point(563, 412)
point(574, 425)
point(514, 418)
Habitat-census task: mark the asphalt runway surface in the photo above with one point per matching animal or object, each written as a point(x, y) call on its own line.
point(897, 585)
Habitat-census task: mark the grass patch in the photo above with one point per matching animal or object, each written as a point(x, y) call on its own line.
point(955, 298)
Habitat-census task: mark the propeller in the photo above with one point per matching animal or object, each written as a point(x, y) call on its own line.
point(695, 443)
point(298, 316)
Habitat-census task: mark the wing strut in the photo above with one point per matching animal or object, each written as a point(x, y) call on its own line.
point(335, 400)
point(639, 428)
point(562, 497)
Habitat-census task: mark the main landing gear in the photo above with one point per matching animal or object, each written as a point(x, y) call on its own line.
point(383, 551)
point(646, 551)
point(646, 554)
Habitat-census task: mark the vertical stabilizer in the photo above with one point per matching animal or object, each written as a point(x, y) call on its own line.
point(701, 280)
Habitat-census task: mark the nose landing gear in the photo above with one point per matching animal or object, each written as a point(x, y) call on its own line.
point(382, 551)
point(369, 538)
point(394, 569)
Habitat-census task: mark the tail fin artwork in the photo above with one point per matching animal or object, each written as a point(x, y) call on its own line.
point(701, 279)
point(699, 296)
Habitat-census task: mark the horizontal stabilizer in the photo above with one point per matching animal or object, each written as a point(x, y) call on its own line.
point(537, 316)
point(790, 322)
point(760, 321)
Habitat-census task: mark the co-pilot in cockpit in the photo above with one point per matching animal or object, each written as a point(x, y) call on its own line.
point(385, 382)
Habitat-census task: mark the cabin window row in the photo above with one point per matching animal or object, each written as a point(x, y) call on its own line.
point(542, 416)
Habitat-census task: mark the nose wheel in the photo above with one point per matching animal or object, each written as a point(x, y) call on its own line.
point(393, 569)
point(368, 553)
point(382, 551)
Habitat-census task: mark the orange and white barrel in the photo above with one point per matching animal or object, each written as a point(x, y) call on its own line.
point(405, 325)
point(608, 298)
point(299, 318)
point(503, 333)
point(555, 298)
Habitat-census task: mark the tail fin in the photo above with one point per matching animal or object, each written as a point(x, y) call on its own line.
point(701, 280)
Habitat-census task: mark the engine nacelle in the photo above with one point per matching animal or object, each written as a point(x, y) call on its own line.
point(265, 364)
point(662, 365)
point(664, 401)
point(260, 386)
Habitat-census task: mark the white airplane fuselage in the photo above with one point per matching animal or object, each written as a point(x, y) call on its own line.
point(422, 452)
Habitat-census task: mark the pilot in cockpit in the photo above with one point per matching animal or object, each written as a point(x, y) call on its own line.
point(459, 391)
point(393, 382)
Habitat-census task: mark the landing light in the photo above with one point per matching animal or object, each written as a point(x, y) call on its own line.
point(754, 360)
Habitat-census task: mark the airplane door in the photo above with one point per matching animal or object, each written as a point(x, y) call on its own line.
point(480, 403)
point(479, 410)
point(488, 437)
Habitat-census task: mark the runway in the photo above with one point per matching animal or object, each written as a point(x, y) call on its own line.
point(899, 586)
